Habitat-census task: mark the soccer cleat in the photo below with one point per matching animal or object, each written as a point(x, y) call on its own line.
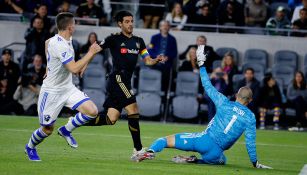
point(136, 153)
point(276, 127)
point(62, 131)
point(184, 159)
point(31, 153)
point(293, 128)
point(143, 156)
point(262, 127)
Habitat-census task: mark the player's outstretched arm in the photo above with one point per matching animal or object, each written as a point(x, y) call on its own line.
point(214, 95)
point(150, 61)
point(250, 140)
point(76, 67)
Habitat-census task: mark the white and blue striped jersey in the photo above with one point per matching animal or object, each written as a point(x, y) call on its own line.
point(230, 121)
point(59, 52)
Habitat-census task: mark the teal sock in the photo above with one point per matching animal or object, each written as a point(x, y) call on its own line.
point(158, 145)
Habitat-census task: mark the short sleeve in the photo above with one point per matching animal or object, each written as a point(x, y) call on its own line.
point(107, 42)
point(65, 54)
point(143, 50)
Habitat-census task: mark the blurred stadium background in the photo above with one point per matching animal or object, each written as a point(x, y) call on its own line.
point(271, 40)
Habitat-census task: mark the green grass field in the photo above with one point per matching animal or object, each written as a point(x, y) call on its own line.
point(107, 150)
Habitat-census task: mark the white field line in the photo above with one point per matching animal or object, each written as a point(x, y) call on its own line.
point(304, 170)
point(152, 138)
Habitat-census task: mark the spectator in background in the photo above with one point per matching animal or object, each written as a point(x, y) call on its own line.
point(296, 13)
point(92, 10)
point(279, 21)
point(42, 11)
point(270, 98)
point(204, 17)
point(35, 41)
point(230, 68)
point(151, 15)
point(9, 73)
point(4, 97)
point(12, 6)
point(176, 17)
point(164, 43)
point(211, 54)
point(37, 70)
point(25, 99)
point(300, 24)
point(297, 98)
point(255, 13)
point(250, 81)
point(220, 81)
point(64, 7)
point(26, 96)
point(92, 37)
point(32, 5)
point(189, 64)
point(230, 12)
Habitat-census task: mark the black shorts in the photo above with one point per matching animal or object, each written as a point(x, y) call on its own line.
point(119, 92)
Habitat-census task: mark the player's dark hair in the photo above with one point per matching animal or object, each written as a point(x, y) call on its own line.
point(303, 84)
point(249, 69)
point(304, 9)
point(119, 17)
point(63, 20)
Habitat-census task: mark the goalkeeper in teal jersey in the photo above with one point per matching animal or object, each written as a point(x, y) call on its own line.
point(231, 120)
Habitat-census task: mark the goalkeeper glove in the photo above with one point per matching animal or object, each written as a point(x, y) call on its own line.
point(258, 165)
point(201, 56)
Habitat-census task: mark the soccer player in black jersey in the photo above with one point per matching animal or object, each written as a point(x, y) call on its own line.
point(125, 49)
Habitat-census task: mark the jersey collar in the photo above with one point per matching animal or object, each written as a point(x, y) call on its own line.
point(69, 42)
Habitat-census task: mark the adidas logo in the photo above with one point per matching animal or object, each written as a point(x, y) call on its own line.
point(123, 44)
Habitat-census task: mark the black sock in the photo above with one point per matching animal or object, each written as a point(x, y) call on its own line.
point(102, 119)
point(134, 128)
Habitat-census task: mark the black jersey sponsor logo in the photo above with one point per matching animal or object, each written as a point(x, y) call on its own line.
point(131, 51)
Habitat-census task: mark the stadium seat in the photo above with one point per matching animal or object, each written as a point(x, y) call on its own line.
point(185, 107)
point(97, 60)
point(258, 68)
point(94, 78)
point(256, 56)
point(216, 64)
point(222, 50)
point(187, 83)
point(149, 104)
point(235, 79)
point(149, 93)
point(97, 96)
point(150, 81)
point(185, 96)
point(283, 72)
point(286, 57)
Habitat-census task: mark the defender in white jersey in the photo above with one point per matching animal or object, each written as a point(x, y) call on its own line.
point(58, 90)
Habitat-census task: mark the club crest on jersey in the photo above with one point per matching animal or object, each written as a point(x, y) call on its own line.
point(137, 45)
point(63, 54)
point(47, 118)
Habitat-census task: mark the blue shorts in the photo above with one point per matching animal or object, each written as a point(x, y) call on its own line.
point(203, 144)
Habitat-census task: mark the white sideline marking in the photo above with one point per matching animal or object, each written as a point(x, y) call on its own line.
point(146, 137)
point(304, 170)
